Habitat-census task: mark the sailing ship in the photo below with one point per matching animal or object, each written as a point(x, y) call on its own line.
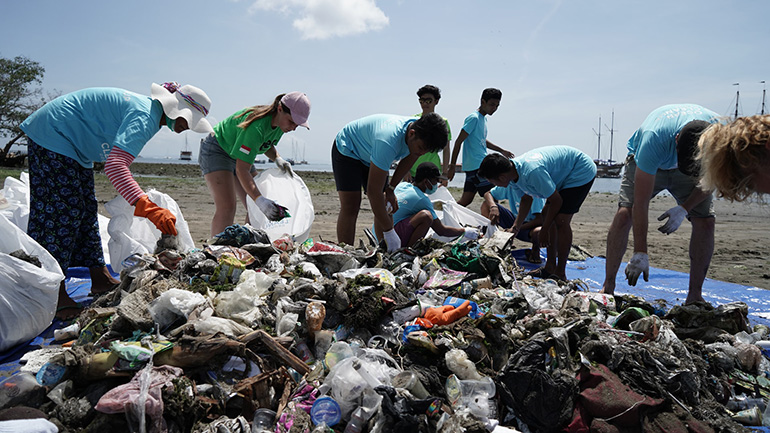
point(607, 168)
point(186, 153)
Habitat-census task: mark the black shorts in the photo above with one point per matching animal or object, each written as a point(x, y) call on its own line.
point(350, 174)
point(474, 183)
point(573, 198)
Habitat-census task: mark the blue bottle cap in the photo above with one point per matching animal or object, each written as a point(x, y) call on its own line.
point(325, 410)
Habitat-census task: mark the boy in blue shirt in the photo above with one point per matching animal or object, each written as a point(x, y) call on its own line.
point(361, 157)
point(561, 174)
point(656, 151)
point(530, 230)
point(415, 214)
point(474, 134)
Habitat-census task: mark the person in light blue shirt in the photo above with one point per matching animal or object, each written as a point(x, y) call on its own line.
point(659, 158)
point(415, 214)
point(530, 229)
point(563, 176)
point(474, 144)
point(362, 154)
point(72, 132)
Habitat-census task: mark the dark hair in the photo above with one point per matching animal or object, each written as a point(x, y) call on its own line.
point(687, 147)
point(431, 129)
point(491, 93)
point(493, 165)
point(428, 88)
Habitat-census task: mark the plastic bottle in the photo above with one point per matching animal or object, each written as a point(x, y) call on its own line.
point(67, 333)
point(406, 314)
point(16, 386)
point(356, 423)
point(51, 374)
point(315, 313)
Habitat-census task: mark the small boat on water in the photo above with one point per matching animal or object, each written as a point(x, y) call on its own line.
point(185, 154)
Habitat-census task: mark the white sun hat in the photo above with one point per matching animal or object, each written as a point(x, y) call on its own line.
point(185, 101)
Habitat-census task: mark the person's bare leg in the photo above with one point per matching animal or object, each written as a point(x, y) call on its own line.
point(421, 221)
point(563, 223)
point(220, 185)
point(552, 251)
point(66, 307)
point(101, 279)
point(240, 193)
point(617, 242)
point(701, 250)
point(350, 204)
point(466, 198)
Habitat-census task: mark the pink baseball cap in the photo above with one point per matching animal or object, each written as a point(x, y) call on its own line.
point(299, 106)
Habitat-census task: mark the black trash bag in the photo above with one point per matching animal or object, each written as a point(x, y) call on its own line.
point(544, 401)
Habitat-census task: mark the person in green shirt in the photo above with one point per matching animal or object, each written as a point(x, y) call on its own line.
point(429, 96)
point(227, 155)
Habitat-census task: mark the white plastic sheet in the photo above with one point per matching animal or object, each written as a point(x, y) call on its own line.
point(288, 191)
point(130, 234)
point(454, 215)
point(28, 294)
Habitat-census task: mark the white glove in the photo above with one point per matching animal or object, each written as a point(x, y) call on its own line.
point(392, 240)
point(639, 264)
point(675, 217)
point(284, 165)
point(268, 207)
point(471, 233)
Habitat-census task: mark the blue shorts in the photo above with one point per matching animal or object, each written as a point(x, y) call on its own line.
point(474, 183)
point(507, 218)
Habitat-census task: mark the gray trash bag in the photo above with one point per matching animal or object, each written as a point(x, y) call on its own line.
point(542, 399)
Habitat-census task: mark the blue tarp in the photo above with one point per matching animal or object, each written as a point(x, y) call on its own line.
point(670, 286)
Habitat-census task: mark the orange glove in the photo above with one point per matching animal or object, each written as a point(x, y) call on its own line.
point(444, 314)
point(163, 219)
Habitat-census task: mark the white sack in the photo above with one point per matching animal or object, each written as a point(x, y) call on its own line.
point(288, 191)
point(130, 234)
point(28, 294)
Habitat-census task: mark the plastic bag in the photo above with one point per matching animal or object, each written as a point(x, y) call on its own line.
point(130, 234)
point(291, 192)
point(16, 204)
point(28, 294)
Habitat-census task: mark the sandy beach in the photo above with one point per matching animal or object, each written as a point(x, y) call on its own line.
point(741, 251)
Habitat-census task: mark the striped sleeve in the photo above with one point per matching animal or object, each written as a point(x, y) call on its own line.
point(116, 169)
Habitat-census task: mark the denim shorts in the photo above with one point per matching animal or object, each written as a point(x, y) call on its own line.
point(212, 157)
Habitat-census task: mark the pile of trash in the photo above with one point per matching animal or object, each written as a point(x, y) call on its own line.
point(249, 335)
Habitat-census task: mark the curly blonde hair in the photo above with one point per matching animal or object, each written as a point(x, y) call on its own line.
point(730, 155)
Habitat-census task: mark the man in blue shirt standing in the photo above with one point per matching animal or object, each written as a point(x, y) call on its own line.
point(474, 136)
point(656, 161)
point(561, 174)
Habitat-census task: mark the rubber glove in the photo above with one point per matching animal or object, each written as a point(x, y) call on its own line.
point(639, 264)
point(269, 208)
point(675, 217)
point(392, 240)
point(445, 314)
point(471, 233)
point(284, 165)
point(163, 219)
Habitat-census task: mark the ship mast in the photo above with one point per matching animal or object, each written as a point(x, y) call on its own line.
point(764, 90)
point(737, 98)
point(599, 143)
point(612, 134)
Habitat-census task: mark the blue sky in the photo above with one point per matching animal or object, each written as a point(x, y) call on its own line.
point(559, 64)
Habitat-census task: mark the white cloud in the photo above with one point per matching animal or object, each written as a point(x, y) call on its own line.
point(322, 19)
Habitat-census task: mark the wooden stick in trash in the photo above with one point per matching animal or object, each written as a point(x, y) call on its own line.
point(276, 349)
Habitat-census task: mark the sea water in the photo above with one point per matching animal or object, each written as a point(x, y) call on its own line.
point(606, 185)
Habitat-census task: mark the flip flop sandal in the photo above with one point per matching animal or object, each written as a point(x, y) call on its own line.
point(539, 273)
point(532, 256)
